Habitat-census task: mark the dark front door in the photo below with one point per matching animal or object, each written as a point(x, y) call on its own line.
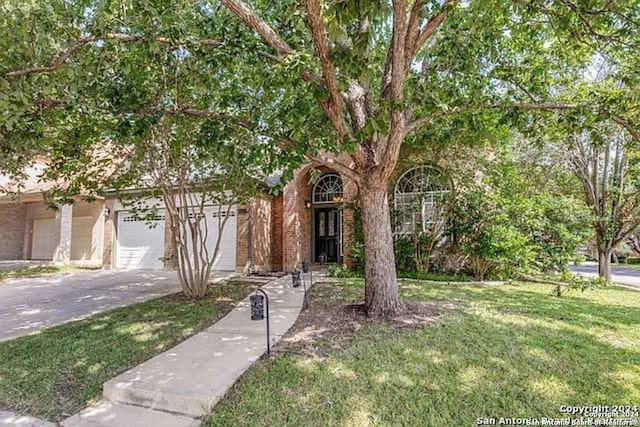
point(327, 234)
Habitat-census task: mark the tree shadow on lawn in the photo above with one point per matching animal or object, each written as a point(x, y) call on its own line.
point(56, 372)
point(512, 351)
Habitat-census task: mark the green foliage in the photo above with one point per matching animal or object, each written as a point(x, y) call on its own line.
point(61, 370)
point(577, 282)
point(635, 260)
point(484, 231)
point(507, 349)
point(434, 276)
point(523, 216)
point(341, 270)
point(404, 252)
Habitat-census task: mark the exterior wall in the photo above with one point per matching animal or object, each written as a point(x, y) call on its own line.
point(109, 234)
point(12, 231)
point(35, 210)
point(298, 220)
point(94, 210)
point(277, 243)
point(254, 236)
point(261, 244)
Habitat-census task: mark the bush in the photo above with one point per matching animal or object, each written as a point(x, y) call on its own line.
point(484, 231)
point(342, 271)
point(633, 260)
point(436, 277)
point(404, 253)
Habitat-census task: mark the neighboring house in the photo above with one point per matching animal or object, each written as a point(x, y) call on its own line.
point(305, 221)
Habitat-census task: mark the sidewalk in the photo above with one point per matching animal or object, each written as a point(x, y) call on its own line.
point(182, 385)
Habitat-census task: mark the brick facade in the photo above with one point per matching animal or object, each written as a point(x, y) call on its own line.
point(273, 233)
point(17, 231)
point(298, 219)
point(109, 234)
point(254, 250)
point(12, 231)
point(277, 242)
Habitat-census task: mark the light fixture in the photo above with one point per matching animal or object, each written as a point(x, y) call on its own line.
point(307, 204)
point(107, 211)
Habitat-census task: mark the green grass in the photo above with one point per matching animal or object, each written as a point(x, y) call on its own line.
point(47, 270)
point(512, 351)
point(55, 373)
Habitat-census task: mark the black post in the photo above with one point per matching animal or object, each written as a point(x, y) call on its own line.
point(306, 268)
point(266, 297)
point(304, 283)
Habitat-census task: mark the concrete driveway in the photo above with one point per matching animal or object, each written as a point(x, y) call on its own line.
point(28, 305)
point(625, 275)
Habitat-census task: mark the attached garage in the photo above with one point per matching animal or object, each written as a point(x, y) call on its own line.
point(43, 241)
point(44, 238)
point(81, 236)
point(226, 258)
point(140, 243)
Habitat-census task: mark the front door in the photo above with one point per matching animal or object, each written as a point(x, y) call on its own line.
point(327, 234)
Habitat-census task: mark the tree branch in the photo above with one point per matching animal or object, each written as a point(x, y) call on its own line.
point(329, 160)
point(545, 106)
point(635, 133)
point(396, 82)
point(432, 25)
point(63, 57)
point(319, 34)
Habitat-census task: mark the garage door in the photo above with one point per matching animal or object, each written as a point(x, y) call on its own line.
point(81, 231)
point(43, 243)
point(226, 258)
point(140, 242)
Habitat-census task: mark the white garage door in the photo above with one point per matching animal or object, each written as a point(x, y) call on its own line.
point(226, 257)
point(81, 231)
point(43, 243)
point(140, 243)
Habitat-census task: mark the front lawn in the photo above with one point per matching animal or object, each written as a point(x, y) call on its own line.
point(511, 351)
point(38, 271)
point(56, 372)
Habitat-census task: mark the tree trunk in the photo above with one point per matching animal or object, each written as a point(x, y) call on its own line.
point(604, 263)
point(381, 285)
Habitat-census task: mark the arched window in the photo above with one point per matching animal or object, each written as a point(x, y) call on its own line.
point(328, 189)
point(418, 200)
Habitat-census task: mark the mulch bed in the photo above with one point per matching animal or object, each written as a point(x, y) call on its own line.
point(331, 322)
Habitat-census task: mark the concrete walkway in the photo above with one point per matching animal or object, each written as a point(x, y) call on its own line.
point(9, 419)
point(31, 304)
point(181, 386)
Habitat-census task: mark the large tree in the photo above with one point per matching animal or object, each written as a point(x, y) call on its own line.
point(354, 77)
point(386, 70)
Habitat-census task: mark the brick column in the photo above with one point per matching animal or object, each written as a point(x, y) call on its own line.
point(108, 233)
point(62, 234)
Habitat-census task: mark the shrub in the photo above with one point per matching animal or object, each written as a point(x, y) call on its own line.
point(484, 232)
point(436, 277)
point(342, 271)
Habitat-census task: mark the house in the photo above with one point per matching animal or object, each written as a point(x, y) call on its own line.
point(308, 220)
